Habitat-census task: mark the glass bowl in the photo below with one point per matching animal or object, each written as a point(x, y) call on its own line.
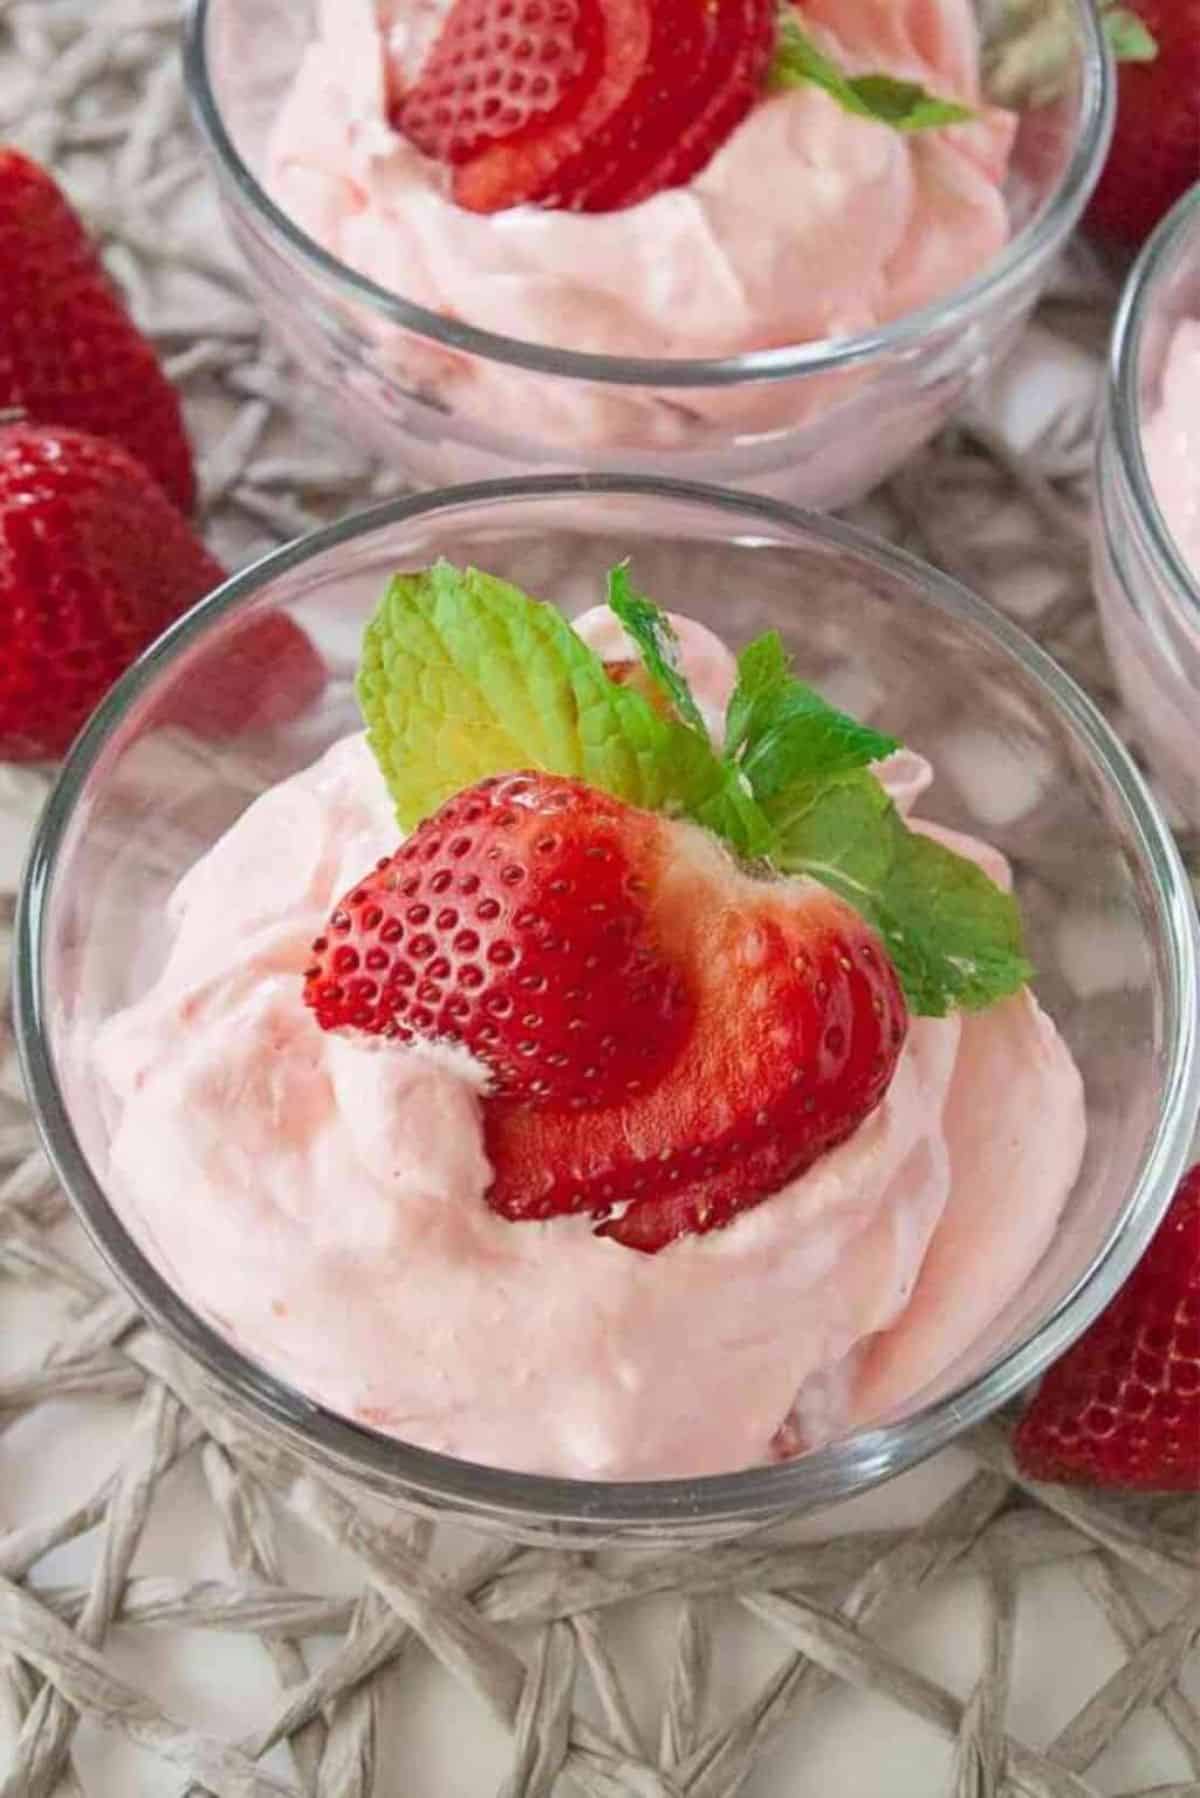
point(137, 801)
point(816, 423)
point(1149, 596)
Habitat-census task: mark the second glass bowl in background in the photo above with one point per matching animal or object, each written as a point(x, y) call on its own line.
point(1149, 596)
point(816, 423)
point(1022, 759)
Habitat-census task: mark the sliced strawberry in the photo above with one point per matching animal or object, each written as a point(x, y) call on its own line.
point(798, 1023)
point(1122, 1407)
point(704, 79)
point(737, 70)
point(648, 122)
point(523, 167)
point(515, 922)
point(585, 104)
point(670, 1039)
point(497, 68)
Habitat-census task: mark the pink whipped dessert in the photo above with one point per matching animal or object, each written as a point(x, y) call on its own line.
point(1171, 441)
point(410, 1228)
point(800, 210)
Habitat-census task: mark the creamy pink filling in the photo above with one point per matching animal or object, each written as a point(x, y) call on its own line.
point(809, 222)
point(1171, 439)
point(323, 1201)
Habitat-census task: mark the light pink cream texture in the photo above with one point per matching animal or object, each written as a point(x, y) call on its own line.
point(322, 1201)
point(808, 223)
point(1171, 440)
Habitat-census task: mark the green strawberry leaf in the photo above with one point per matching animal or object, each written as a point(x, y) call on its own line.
point(785, 737)
point(1128, 37)
point(464, 676)
point(654, 636)
point(953, 935)
point(905, 105)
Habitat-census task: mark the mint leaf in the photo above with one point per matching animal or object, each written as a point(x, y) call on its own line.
point(905, 105)
point(1128, 37)
point(788, 738)
point(953, 935)
point(654, 635)
point(463, 676)
point(762, 667)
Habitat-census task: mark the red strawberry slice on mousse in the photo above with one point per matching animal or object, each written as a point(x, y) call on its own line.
point(584, 105)
point(670, 1039)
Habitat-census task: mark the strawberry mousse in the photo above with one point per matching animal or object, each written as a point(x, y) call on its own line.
point(1171, 441)
point(737, 182)
point(593, 1070)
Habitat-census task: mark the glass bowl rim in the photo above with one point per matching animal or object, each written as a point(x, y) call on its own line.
point(1158, 260)
point(826, 1474)
point(1031, 245)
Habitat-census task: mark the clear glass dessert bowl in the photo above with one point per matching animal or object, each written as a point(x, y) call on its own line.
point(1022, 758)
point(816, 423)
point(1149, 594)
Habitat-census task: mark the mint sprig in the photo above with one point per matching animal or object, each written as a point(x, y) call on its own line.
point(904, 105)
point(953, 935)
point(649, 627)
point(464, 676)
point(787, 739)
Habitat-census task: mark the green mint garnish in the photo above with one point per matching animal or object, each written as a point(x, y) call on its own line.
point(786, 739)
point(464, 676)
point(905, 105)
point(650, 628)
point(953, 935)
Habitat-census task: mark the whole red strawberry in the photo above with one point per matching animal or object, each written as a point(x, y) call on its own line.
point(95, 562)
point(586, 105)
point(1122, 1407)
point(69, 352)
point(584, 952)
point(260, 674)
point(1155, 154)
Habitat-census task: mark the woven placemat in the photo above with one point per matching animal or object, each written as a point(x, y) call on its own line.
point(539, 1643)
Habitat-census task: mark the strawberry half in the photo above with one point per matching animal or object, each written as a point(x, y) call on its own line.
point(515, 922)
point(670, 1039)
point(1122, 1407)
point(798, 1023)
point(498, 68)
point(70, 354)
point(638, 97)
